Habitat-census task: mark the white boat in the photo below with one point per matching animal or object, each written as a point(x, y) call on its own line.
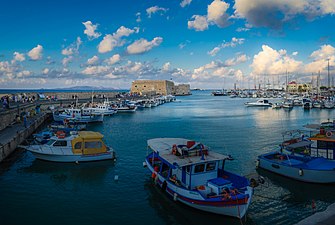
point(288, 104)
point(125, 108)
point(317, 104)
point(329, 104)
point(78, 115)
point(259, 103)
point(103, 108)
point(195, 176)
point(82, 146)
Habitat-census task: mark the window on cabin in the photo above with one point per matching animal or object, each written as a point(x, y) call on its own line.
point(210, 166)
point(199, 168)
point(77, 145)
point(188, 169)
point(60, 143)
point(93, 144)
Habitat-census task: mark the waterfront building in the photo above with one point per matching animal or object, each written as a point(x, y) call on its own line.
point(293, 87)
point(159, 87)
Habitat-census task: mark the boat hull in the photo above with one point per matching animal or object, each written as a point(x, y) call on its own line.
point(74, 158)
point(307, 175)
point(82, 119)
point(192, 198)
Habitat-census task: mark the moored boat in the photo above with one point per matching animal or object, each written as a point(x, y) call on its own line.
point(302, 168)
point(259, 103)
point(192, 174)
point(77, 115)
point(82, 146)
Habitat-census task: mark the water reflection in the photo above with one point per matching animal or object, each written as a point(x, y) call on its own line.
point(88, 173)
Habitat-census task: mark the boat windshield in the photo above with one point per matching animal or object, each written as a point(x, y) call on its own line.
point(50, 142)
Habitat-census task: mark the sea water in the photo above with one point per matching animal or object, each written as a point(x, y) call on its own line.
point(39, 192)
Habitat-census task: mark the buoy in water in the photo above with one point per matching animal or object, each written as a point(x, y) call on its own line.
point(116, 177)
point(175, 196)
point(76, 162)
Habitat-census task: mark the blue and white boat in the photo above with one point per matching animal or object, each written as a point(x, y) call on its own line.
point(302, 168)
point(192, 174)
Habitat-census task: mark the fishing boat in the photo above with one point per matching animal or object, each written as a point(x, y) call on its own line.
point(302, 168)
point(103, 108)
point(259, 103)
point(125, 107)
point(320, 143)
point(79, 115)
point(82, 146)
point(192, 174)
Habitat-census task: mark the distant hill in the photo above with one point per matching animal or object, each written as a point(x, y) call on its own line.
point(86, 88)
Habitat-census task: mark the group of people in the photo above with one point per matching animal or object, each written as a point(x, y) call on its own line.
point(8, 100)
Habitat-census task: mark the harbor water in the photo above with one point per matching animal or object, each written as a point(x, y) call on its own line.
point(39, 192)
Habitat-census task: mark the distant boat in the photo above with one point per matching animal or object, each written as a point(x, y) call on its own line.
point(195, 176)
point(329, 104)
point(219, 93)
point(306, 169)
point(259, 103)
point(288, 104)
point(307, 104)
point(277, 105)
point(82, 146)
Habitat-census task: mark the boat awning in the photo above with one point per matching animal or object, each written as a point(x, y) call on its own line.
point(300, 144)
point(90, 135)
point(163, 146)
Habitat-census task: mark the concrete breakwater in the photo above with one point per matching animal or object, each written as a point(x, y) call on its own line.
point(12, 136)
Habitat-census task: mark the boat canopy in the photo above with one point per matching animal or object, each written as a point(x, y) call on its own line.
point(300, 144)
point(163, 146)
point(88, 142)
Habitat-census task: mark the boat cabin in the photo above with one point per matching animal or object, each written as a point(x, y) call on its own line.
point(189, 164)
point(85, 142)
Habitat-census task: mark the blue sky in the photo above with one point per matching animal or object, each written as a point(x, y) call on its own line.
point(208, 44)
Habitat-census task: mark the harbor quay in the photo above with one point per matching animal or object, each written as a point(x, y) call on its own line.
point(23, 115)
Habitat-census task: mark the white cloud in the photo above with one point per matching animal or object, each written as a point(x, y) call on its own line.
point(166, 66)
point(93, 60)
point(237, 60)
point(142, 45)
point(155, 9)
point(109, 42)
point(67, 60)
point(72, 48)
point(19, 57)
point(114, 59)
point(199, 23)
point(23, 73)
point(36, 53)
point(233, 43)
point(95, 70)
point(45, 71)
point(214, 51)
point(295, 53)
point(214, 71)
point(90, 30)
point(271, 61)
point(320, 59)
point(216, 13)
point(185, 3)
point(138, 17)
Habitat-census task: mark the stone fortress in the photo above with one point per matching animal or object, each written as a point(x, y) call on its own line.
point(159, 87)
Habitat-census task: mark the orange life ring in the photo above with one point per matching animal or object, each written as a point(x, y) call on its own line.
point(174, 149)
point(329, 134)
point(60, 134)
